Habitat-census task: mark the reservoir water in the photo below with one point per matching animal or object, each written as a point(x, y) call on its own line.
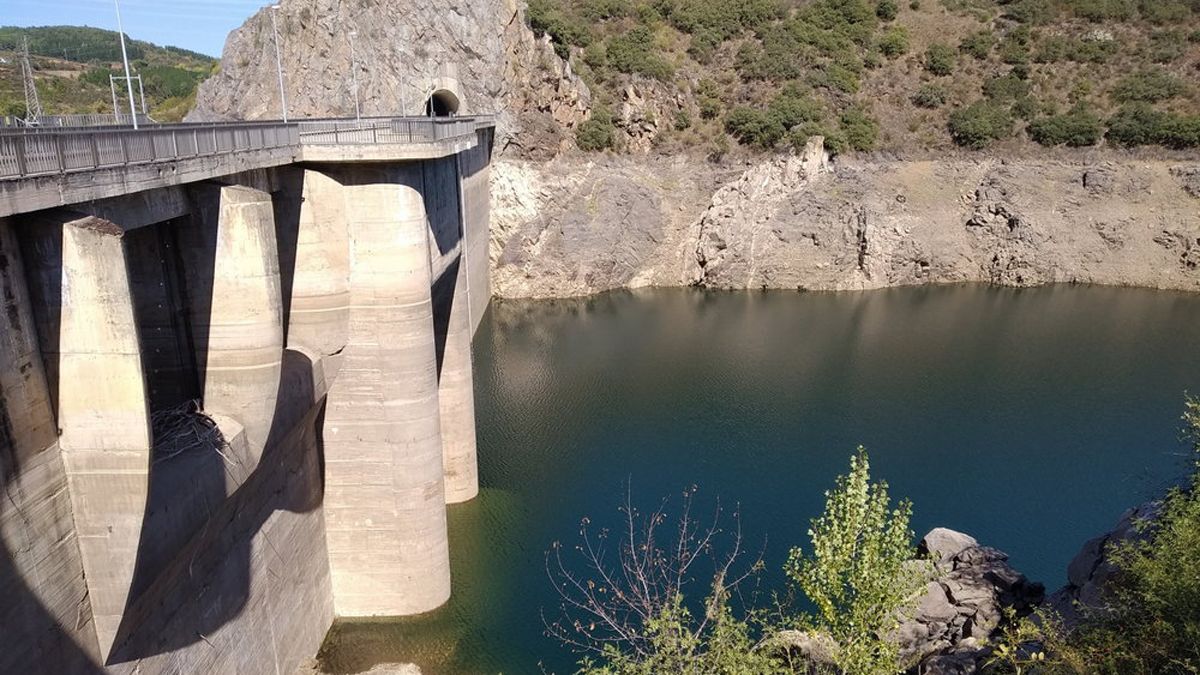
point(1028, 418)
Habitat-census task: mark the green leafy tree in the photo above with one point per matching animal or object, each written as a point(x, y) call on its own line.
point(859, 574)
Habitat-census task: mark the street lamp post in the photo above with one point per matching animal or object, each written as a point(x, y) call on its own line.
point(278, 63)
point(354, 75)
point(125, 59)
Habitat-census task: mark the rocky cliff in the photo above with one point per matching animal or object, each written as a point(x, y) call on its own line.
point(402, 52)
point(572, 227)
point(565, 223)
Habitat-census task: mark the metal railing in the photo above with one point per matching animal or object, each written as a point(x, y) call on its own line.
point(35, 152)
point(41, 151)
point(387, 130)
point(90, 120)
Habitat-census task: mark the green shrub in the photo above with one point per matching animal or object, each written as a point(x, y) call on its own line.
point(835, 143)
point(598, 132)
point(682, 120)
point(1148, 85)
point(887, 10)
point(1136, 124)
point(859, 128)
point(979, 124)
point(766, 127)
point(1005, 88)
point(894, 42)
point(940, 59)
point(860, 572)
point(1078, 128)
point(633, 52)
point(930, 96)
point(547, 18)
point(1103, 10)
point(1166, 11)
point(1032, 12)
point(978, 45)
point(1167, 46)
point(599, 10)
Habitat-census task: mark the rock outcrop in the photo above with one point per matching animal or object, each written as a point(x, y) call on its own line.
point(947, 631)
point(402, 52)
point(1093, 568)
point(963, 607)
point(573, 227)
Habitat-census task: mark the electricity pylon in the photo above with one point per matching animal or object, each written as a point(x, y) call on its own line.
point(33, 106)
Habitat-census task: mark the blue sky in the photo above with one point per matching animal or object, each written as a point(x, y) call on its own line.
point(199, 25)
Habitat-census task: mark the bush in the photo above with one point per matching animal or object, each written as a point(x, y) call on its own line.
point(860, 130)
point(547, 18)
point(894, 42)
point(1140, 124)
point(765, 128)
point(978, 125)
point(978, 45)
point(682, 120)
point(940, 59)
point(930, 96)
point(1078, 128)
point(1167, 46)
point(859, 574)
point(887, 10)
point(1006, 88)
point(1149, 85)
point(1103, 10)
point(633, 52)
point(598, 132)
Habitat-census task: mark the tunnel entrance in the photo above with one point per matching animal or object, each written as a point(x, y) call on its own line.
point(442, 103)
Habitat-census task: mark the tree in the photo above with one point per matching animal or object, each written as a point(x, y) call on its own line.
point(860, 574)
point(624, 597)
point(979, 124)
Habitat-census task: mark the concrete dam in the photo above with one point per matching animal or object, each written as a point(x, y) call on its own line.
point(235, 385)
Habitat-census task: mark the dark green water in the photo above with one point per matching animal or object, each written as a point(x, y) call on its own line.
point(1028, 418)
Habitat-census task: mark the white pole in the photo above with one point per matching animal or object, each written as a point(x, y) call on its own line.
point(279, 62)
point(125, 58)
point(354, 73)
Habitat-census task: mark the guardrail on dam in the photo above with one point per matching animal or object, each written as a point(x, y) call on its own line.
point(236, 384)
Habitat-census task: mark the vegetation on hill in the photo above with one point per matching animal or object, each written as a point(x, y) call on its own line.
point(72, 65)
point(888, 74)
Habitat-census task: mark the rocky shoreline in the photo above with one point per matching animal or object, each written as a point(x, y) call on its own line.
point(573, 227)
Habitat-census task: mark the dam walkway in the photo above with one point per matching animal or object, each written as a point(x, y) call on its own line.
point(46, 167)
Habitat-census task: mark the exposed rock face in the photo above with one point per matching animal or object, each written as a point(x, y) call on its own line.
point(961, 609)
point(964, 605)
point(402, 52)
point(1093, 568)
point(573, 227)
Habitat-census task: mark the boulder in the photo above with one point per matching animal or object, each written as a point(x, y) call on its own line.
point(942, 543)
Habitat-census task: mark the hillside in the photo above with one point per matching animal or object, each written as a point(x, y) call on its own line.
point(72, 64)
point(899, 75)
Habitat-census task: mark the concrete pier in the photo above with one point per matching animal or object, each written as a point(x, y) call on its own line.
point(102, 413)
point(456, 390)
point(237, 320)
point(320, 307)
point(384, 496)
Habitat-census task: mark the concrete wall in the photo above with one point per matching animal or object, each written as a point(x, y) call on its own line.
point(475, 169)
point(47, 619)
point(311, 327)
